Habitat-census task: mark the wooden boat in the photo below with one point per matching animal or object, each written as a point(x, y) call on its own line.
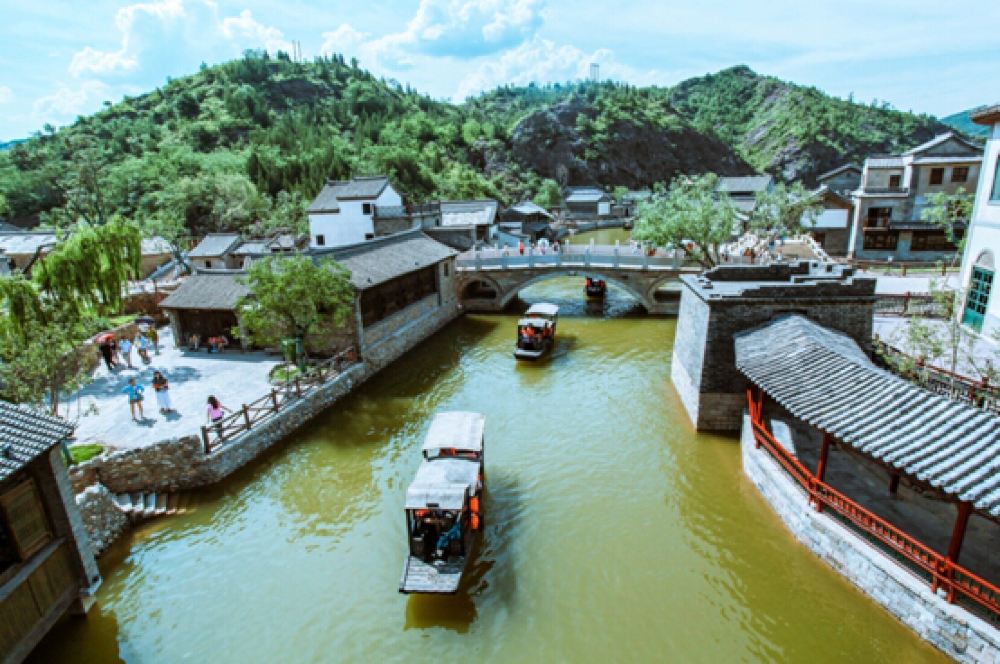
point(595, 289)
point(536, 332)
point(443, 504)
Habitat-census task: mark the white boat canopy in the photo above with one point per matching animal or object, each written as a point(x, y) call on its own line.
point(460, 430)
point(443, 483)
point(543, 309)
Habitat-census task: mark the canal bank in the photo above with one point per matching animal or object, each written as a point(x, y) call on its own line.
point(613, 530)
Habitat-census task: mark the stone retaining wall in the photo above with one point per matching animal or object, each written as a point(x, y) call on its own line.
point(102, 517)
point(953, 630)
point(180, 463)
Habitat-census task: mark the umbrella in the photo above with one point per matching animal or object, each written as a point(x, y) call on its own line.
point(145, 320)
point(105, 337)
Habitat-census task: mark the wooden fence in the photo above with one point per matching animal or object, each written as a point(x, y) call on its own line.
point(956, 581)
point(980, 393)
point(251, 414)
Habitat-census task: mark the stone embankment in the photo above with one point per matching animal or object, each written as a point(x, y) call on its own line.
point(180, 464)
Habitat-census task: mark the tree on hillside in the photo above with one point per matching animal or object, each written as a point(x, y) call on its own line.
point(289, 296)
point(787, 209)
point(689, 215)
point(90, 269)
point(949, 212)
point(549, 194)
point(40, 354)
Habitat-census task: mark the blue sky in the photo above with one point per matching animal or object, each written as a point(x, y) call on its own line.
point(62, 59)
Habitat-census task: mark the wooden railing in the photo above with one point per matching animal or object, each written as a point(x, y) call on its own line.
point(952, 578)
point(251, 414)
point(980, 393)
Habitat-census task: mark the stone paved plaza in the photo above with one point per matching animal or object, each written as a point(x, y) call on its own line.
point(234, 377)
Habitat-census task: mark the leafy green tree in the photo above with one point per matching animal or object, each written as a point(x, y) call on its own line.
point(689, 215)
point(619, 193)
point(90, 269)
point(40, 354)
point(949, 211)
point(785, 209)
point(290, 296)
point(549, 194)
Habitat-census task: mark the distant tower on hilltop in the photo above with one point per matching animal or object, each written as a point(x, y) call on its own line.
point(595, 72)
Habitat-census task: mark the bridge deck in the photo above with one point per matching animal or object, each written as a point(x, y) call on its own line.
point(573, 256)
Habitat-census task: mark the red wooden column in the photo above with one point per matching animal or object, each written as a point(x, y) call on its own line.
point(824, 451)
point(957, 537)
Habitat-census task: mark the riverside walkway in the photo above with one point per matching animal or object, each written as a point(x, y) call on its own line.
point(489, 279)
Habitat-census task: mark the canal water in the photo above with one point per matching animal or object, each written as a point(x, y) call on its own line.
point(613, 531)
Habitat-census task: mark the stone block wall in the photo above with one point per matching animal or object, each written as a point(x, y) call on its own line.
point(956, 632)
point(102, 518)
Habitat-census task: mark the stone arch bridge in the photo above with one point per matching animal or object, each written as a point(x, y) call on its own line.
point(488, 280)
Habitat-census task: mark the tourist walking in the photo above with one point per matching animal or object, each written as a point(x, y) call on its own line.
point(134, 392)
point(162, 388)
point(125, 348)
point(215, 411)
point(108, 352)
point(142, 347)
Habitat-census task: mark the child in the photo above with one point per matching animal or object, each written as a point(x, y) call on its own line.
point(215, 409)
point(125, 348)
point(134, 392)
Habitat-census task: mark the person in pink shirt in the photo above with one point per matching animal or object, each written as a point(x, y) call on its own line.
point(215, 410)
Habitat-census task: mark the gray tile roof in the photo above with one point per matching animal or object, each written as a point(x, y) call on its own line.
point(986, 115)
point(215, 244)
point(944, 138)
point(25, 435)
point(468, 213)
point(376, 261)
point(362, 188)
point(23, 242)
point(585, 195)
point(884, 162)
point(208, 290)
point(528, 208)
point(836, 171)
point(744, 183)
point(824, 378)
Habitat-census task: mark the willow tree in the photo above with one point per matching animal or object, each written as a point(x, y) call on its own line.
point(40, 355)
point(785, 209)
point(91, 268)
point(290, 296)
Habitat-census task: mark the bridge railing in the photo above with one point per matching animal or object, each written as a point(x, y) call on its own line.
point(570, 256)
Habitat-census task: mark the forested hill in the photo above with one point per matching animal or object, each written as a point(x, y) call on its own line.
point(250, 142)
point(792, 131)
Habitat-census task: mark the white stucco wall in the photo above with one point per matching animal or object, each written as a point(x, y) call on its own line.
point(351, 225)
point(984, 233)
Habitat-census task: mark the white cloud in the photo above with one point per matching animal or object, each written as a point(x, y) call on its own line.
point(68, 102)
point(541, 60)
point(345, 39)
point(245, 28)
point(6, 94)
point(163, 30)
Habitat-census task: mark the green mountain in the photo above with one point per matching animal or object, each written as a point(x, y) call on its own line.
point(250, 142)
point(963, 123)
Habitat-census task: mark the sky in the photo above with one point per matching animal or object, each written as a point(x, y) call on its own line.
point(61, 59)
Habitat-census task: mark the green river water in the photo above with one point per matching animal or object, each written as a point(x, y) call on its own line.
point(613, 531)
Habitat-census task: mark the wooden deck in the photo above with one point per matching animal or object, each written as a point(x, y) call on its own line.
point(421, 577)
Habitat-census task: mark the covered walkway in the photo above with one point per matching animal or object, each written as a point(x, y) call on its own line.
point(826, 388)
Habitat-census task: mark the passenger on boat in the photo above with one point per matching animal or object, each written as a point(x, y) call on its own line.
point(452, 534)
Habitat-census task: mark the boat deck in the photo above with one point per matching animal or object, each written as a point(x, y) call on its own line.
point(421, 577)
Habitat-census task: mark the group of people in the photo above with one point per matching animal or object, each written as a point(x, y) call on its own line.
point(215, 343)
point(531, 336)
point(215, 411)
point(112, 348)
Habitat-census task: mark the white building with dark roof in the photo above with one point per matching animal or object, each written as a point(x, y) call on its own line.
point(981, 310)
point(343, 212)
point(587, 201)
point(894, 191)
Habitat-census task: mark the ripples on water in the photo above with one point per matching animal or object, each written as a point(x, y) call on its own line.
point(612, 531)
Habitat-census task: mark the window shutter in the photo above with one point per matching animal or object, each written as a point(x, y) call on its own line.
point(22, 510)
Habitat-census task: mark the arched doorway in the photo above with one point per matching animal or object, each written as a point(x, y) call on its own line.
point(980, 288)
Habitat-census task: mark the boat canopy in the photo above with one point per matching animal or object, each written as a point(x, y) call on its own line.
point(442, 482)
point(534, 322)
point(459, 430)
point(543, 309)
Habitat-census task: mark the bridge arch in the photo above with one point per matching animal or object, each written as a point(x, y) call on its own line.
point(610, 276)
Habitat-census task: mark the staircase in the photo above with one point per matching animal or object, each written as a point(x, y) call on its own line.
point(141, 506)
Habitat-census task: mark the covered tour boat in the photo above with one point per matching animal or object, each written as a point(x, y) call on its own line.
point(536, 332)
point(443, 504)
point(595, 289)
